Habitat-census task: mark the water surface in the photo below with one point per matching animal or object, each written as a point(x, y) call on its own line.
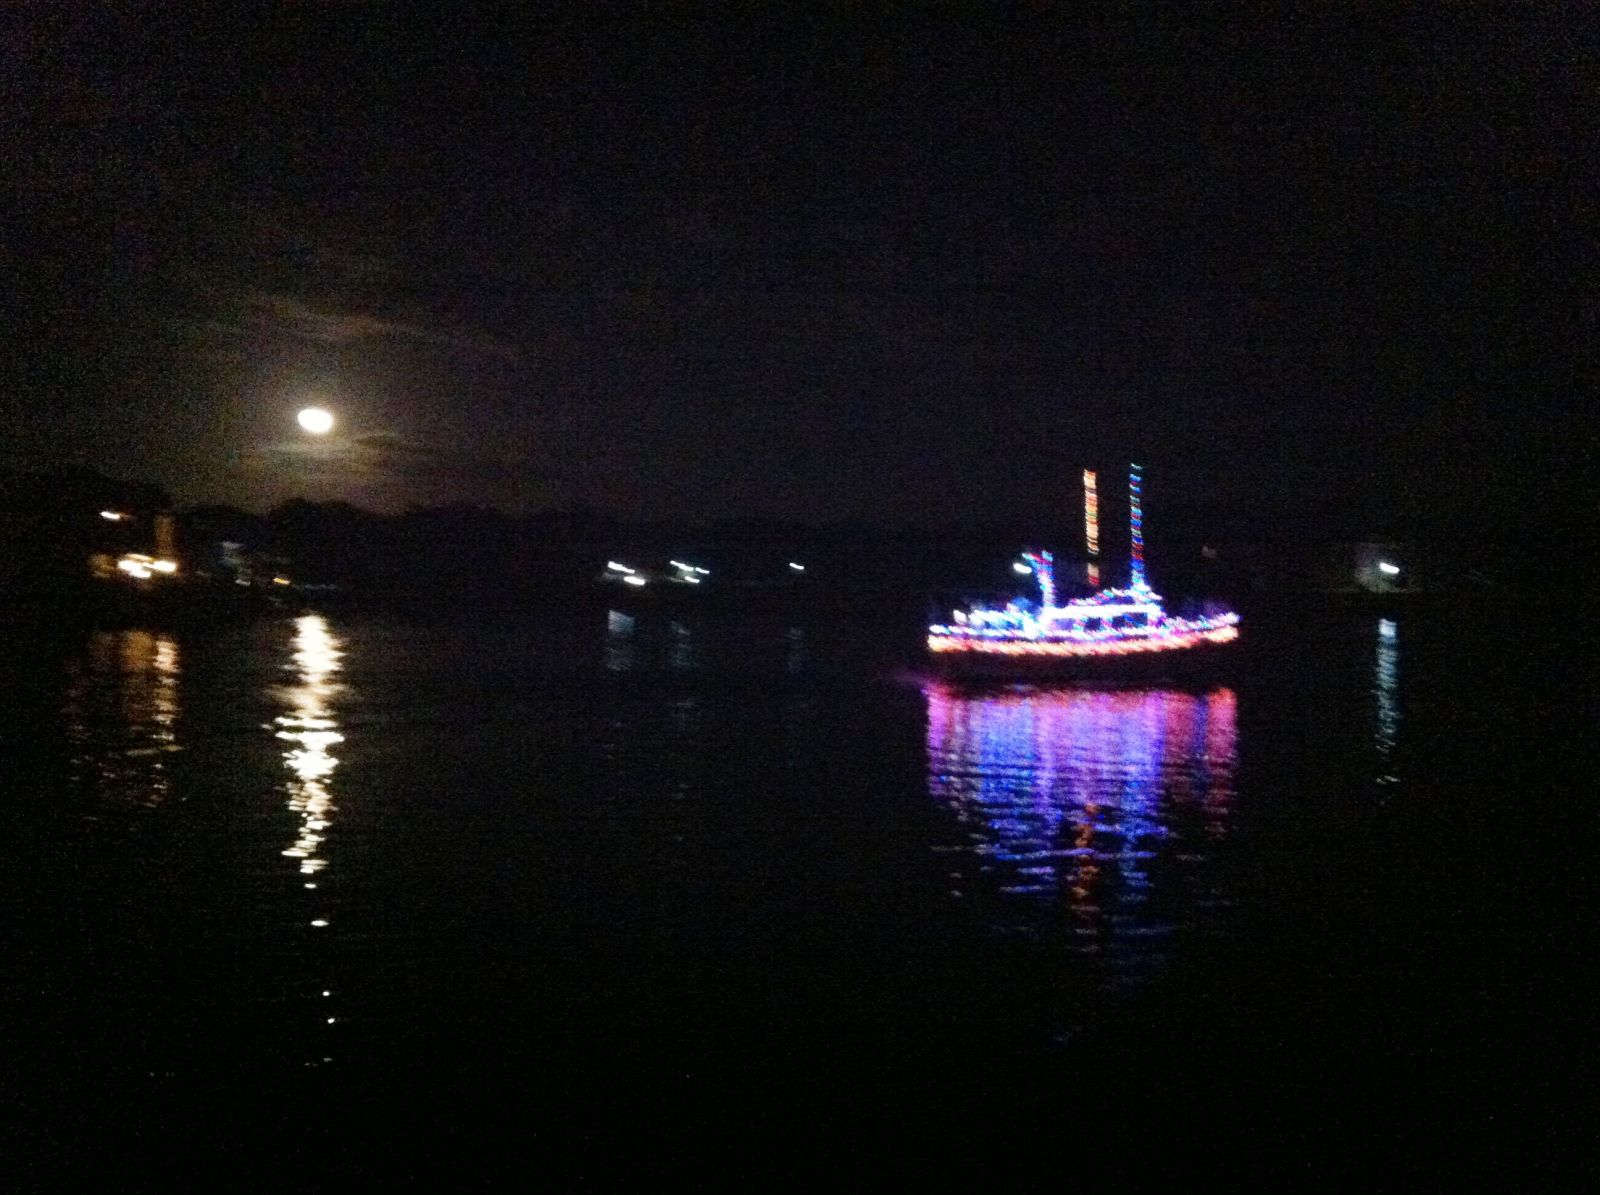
point(648, 881)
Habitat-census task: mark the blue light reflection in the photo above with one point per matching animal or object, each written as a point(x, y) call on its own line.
point(1093, 814)
point(620, 650)
point(1386, 700)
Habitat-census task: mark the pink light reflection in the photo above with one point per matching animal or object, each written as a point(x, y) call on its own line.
point(1105, 805)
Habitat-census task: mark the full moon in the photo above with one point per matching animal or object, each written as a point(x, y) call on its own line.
point(316, 421)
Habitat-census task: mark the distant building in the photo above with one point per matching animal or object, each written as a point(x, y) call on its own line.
point(164, 531)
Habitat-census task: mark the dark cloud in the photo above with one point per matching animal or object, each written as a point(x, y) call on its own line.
point(385, 443)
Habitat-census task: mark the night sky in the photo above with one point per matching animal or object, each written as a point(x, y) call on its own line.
point(675, 260)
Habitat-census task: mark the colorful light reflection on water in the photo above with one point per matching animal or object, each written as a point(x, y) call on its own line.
point(1090, 813)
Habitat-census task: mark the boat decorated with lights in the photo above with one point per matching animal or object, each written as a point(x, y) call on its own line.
point(1080, 636)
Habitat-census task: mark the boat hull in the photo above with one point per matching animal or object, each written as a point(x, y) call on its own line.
point(1201, 662)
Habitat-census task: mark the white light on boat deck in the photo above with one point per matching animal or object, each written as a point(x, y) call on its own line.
point(115, 516)
point(799, 568)
point(1021, 569)
point(613, 566)
point(1387, 569)
point(633, 579)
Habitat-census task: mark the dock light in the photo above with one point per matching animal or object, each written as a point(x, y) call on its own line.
point(1022, 570)
point(1387, 569)
point(799, 568)
point(114, 516)
point(633, 578)
point(613, 566)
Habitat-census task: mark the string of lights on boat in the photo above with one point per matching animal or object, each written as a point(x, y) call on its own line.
point(1109, 622)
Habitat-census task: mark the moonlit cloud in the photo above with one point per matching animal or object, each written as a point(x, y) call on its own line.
point(376, 459)
point(295, 317)
point(292, 317)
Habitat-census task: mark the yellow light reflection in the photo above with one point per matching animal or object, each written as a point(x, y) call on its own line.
point(122, 713)
point(310, 727)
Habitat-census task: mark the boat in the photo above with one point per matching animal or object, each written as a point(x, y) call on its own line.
point(1109, 632)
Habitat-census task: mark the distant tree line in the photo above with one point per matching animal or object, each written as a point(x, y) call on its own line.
point(50, 523)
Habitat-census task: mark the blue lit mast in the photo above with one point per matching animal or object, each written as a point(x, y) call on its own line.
point(1135, 530)
point(1044, 569)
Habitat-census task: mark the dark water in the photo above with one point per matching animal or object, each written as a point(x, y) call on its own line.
point(668, 898)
